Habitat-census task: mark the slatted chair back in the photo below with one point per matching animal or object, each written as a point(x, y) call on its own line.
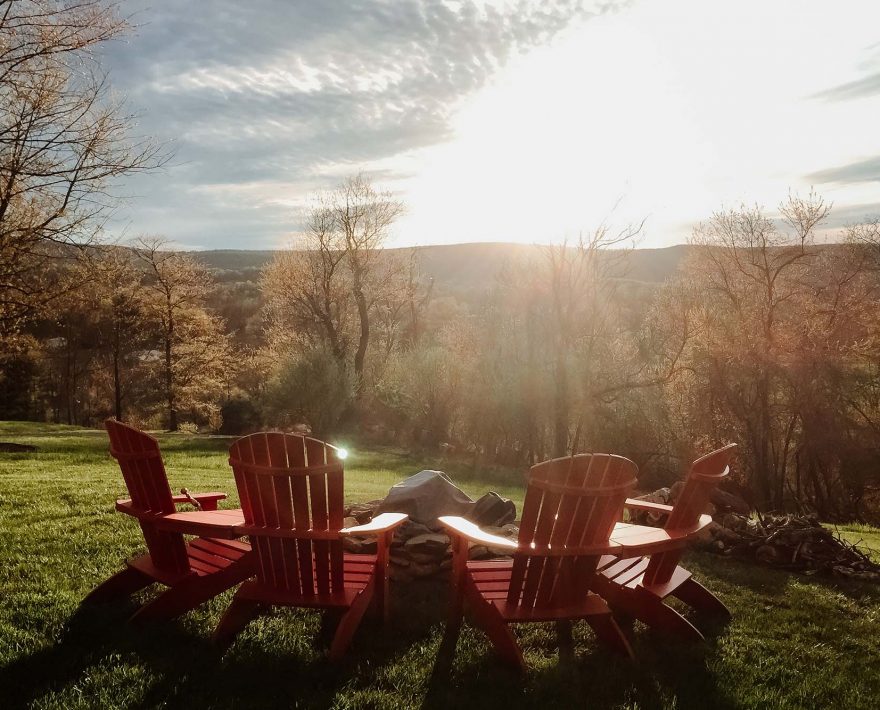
point(571, 505)
point(291, 491)
point(693, 501)
point(140, 461)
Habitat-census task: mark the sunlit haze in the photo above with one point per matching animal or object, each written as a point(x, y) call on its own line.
point(662, 111)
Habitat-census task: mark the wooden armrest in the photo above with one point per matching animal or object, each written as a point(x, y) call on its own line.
point(702, 523)
point(380, 524)
point(126, 506)
point(466, 529)
point(638, 540)
point(647, 506)
point(208, 502)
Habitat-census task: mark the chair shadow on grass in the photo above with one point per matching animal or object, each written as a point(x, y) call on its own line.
point(283, 658)
point(276, 659)
point(92, 636)
point(577, 673)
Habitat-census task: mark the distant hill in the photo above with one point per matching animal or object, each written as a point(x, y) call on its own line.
point(456, 267)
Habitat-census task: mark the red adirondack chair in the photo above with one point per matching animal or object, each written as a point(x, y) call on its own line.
point(637, 586)
point(291, 490)
point(570, 510)
point(194, 571)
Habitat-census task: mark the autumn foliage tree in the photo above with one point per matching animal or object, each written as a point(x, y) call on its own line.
point(118, 300)
point(197, 360)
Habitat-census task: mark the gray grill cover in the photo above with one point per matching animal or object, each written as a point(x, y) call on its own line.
point(426, 496)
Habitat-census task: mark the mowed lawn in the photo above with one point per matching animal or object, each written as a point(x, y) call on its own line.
point(794, 641)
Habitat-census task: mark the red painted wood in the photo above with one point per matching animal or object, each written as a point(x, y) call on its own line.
point(196, 571)
point(637, 587)
point(571, 507)
point(141, 464)
point(705, 474)
point(571, 503)
point(291, 492)
point(211, 523)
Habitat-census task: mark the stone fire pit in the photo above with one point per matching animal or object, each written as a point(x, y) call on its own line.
point(421, 549)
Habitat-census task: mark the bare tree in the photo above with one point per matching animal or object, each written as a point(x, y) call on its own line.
point(584, 324)
point(306, 296)
point(362, 216)
point(326, 290)
point(399, 303)
point(752, 281)
point(63, 142)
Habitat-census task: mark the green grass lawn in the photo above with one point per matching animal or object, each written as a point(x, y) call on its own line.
point(794, 641)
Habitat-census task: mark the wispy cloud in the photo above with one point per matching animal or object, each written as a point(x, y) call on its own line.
point(868, 85)
point(846, 215)
point(277, 91)
point(861, 171)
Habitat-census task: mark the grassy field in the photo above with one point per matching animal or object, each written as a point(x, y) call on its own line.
point(794, 641)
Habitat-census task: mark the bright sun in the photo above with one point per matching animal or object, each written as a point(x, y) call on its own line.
point(645, 113)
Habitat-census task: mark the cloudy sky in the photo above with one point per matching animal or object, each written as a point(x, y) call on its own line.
point(498, 120)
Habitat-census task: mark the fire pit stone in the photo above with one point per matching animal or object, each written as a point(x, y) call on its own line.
point(419, 549)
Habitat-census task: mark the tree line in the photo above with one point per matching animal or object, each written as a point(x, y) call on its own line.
point(766, 335)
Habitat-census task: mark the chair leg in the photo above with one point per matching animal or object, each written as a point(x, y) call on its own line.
point(565, 640)
point(644, 606)
point(664, 618)
point(624, 621)
point(171, 603)
point(380, 607)
point(348, 624)
point(239, 613)
point(456, 609)
point(701, 599)
point(382, 593)
point(489, 619)
point(122, 584)
point(610, 634)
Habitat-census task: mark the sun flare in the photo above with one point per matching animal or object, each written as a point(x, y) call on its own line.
point(642, 114)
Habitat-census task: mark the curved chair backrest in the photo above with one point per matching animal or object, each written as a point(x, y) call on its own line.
point(705, 474)
point(571, 504)
point(140, 460)
point(291, 492)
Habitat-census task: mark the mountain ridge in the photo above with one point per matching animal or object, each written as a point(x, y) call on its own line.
point(466, 264)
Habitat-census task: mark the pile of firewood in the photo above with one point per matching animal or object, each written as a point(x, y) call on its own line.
point(798, 543)
point(794, 542)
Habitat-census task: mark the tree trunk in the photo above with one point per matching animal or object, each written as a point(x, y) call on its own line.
point(169, 388)
point(169, 375)
point(763, 469)
point(364, 340)
point(117, 385)
point(560, 409)
point(333, 339)
point(68, 379)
